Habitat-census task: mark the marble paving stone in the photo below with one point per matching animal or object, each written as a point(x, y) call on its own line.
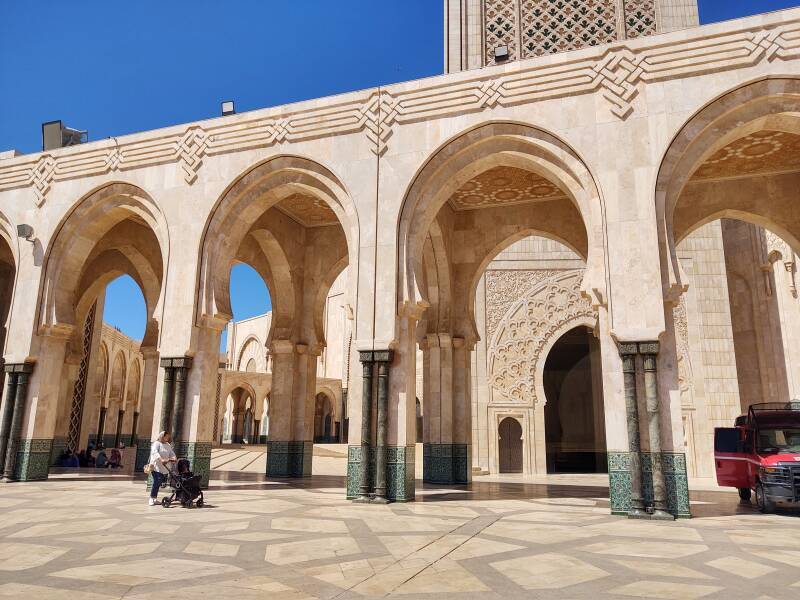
point(551, 517)
point(401, 546)
point(146, 571)
point(310, 525)
point(255, 536)
point(209, 549)
point(787, 557)
point(537, 533)
point(295, 552)
point(647, 530)
point(127, 550)
point(764, 537)
point(443, 577)
point(548, 571)
point(21, 590)
point(49, 529)
point(396, 523)
point(17, 557)
point(480, 547)
point(225, 527)
point(105, 538)
point(666, 589)
point(662, 569)
point(741, 567)
point(645, 549)
point(162, 528)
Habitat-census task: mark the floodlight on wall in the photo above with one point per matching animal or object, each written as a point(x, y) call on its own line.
point(56, 135)
point(500, 54)
point(25, 231)
point(228, 108)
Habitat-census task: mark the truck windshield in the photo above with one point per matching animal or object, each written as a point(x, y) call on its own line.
point(781, 439)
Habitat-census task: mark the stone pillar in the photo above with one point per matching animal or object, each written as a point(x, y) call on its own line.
point(382, 426)
point(118, 433)
point(101, 428)
point(16, 457)
point(146, 407)
point(180, 366)
point(628, 351)
point(167, 395)
point(301, 448)
point(462, 411)
point(134, 427)
point(288, 449)
point(649, 352)
point(7, 414)
point(362, 455)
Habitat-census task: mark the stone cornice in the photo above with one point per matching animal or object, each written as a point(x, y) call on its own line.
point(616, 71)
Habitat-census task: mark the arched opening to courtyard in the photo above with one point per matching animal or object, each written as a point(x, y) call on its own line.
point(512, 211)
point(105, 379)
point(291, 221)
point(727, 192)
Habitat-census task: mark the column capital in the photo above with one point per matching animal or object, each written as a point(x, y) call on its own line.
point(366, 356)
point(282, 347)
point(648, 347)
point(383, 355)
point(177, 362)
point(25, 367)
point(628, 348)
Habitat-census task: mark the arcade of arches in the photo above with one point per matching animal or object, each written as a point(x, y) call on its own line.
point(456, 268)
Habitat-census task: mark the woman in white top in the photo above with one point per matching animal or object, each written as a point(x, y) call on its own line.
point(161, 453)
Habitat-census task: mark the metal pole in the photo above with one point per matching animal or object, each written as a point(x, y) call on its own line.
point(366, 427)
point(628, 353)
point(649, 351)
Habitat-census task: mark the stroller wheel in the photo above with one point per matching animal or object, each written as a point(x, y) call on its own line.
point(165, 501)
point(200, 502)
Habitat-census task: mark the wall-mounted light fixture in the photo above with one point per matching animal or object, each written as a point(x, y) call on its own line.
point(500, 54)
point(25, 232)
point(228, 108)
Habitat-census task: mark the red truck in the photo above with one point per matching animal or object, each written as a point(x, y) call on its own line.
point(762, 453)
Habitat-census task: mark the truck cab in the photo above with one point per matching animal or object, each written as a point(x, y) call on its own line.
point(761, 453)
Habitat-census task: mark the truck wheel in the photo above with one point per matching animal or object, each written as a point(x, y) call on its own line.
point(764, 504)
point(744, 494)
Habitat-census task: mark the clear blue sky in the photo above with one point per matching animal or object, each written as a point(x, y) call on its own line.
point(121, 67)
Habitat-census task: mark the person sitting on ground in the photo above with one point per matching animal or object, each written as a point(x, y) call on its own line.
point(115, 461)
point(74, 463)
point(82, 458)
point(66, 459)
point(102, 460)
point(161, 454)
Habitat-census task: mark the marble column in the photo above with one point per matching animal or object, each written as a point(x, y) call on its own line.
point(118, 432)
point(180, 366)
point(167, 395)
point(365, 455)
point(134, 427)
point(382, 426)
point(20, 395)
point(628, 352)
point(649, 352)
point(7, 412)
point(101, 428)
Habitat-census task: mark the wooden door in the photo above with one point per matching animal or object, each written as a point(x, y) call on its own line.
point(510, 444)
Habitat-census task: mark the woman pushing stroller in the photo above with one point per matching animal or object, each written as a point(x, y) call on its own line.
point(162, 456)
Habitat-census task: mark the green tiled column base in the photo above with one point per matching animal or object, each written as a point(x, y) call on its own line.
point(447, 464)
point(142, 458)
point(199, 456)
point(675, 481)
point(289, 459)
point(33, 459)
point(399, 472)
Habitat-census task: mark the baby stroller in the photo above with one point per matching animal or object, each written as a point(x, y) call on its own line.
point(185, 486)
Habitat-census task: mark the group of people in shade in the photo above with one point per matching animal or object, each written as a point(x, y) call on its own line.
point(87, 459)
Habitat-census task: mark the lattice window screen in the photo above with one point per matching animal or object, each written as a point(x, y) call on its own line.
point(501, 18)
point(550, 26)
point(79, 391)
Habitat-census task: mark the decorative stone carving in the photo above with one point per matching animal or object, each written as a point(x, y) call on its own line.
point(502, 186)
point(758, 153)
point(501, 27)
point(504, 288)
point(640, 18)
point(525, 330)
point(682, 346)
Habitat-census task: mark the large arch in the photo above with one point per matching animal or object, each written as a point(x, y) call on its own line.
point(293, 221)
point(515, 146)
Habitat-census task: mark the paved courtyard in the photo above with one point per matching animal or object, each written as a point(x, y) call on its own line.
point(97, 539)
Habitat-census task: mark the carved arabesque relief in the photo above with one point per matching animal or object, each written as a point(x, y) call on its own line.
point(682, 345)
point(525, 330)
point(504, 288)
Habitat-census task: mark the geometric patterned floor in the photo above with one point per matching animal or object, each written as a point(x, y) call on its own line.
point(97, 539)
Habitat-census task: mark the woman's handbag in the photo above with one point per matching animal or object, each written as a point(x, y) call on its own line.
point(148, 468)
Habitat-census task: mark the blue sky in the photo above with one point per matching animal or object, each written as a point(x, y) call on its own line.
point(120, 67)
